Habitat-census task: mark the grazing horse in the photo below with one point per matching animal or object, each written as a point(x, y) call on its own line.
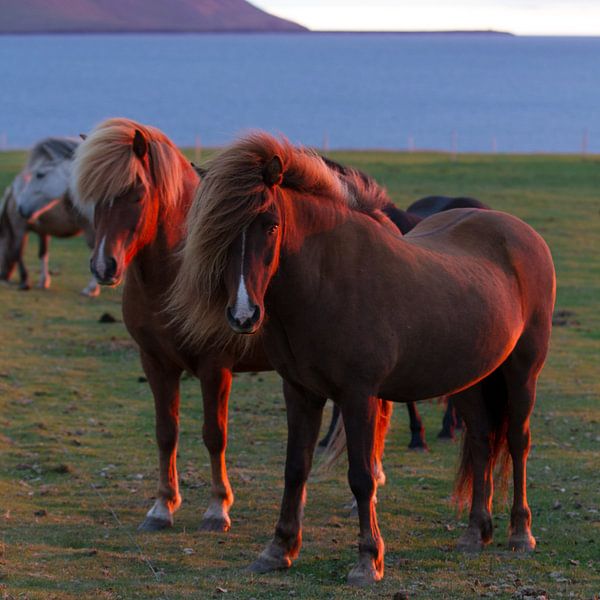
point(47, 175)
point(60, 219)
point(431, 205)
point(349, 309)
point(13, 235)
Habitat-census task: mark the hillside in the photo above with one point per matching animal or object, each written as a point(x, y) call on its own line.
point(72, 16)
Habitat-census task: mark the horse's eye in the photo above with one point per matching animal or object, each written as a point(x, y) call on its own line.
point(272, 228)
point(40, 175)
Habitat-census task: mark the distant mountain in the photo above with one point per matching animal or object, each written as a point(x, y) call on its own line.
point(110, 16)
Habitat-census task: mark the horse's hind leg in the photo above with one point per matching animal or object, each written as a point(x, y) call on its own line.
point(45, 279)
point(304, 413)
point(449, 420)
point(521, 384)
point(476, 469)
point(361, 416)
point(23, 275)
point(417, 431)
point(164, 382)
point(216, 384)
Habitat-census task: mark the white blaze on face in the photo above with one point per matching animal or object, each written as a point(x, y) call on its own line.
point(243, 309)
point(100, 263)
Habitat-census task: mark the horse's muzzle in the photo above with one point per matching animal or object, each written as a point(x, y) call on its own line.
point(108, 275)
point(247, 326)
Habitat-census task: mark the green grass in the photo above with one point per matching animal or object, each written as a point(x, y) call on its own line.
point(77, 447)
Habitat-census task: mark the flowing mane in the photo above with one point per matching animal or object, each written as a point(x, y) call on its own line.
point(52, 149)
point(105, 166)
point(232, 193)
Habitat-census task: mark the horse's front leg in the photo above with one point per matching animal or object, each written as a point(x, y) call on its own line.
point(92, 289)
point(164, 382)
point(216, 384)
point(304, 413)
point(45, 279)
point(361, 417)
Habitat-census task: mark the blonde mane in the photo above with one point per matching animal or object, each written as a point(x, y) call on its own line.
point(232, 193)
point(105, 165)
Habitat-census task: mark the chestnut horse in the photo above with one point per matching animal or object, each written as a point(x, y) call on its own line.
point(349, 309)
point(405, 221)
point(139, 188)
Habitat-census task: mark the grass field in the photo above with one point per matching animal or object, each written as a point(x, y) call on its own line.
point(78, 468)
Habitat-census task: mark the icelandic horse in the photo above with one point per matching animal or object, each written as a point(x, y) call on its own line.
point(347, 308)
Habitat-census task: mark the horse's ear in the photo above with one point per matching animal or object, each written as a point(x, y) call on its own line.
point(140, 146)
point(273, 172)
point(201, 171)
point(83, 136)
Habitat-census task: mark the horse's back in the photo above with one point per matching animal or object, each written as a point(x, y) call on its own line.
point(492, 237)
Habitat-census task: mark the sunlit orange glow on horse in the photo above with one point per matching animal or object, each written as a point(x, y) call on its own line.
point(351, 310)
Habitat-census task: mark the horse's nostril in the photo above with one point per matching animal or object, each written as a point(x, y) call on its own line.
point(111, 266)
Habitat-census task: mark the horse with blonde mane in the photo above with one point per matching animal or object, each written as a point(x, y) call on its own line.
point(349, 309)
point(137, 187)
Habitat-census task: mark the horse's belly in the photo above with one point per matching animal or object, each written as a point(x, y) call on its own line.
point(448, 366)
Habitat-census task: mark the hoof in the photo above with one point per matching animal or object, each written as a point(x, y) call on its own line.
point(24, 287)
point(364, 573)
point(93, 293)
point(522, 542)
point(352, 508)
point(420, 447)
point(470, 542)
point(154, 524)
point(444, 434)
point(267, 562)
point(215, 524)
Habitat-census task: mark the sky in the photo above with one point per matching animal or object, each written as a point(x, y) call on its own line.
point(524, 17)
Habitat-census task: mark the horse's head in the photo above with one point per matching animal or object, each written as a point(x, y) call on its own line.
point(124, 223)
point(254, 257)
point(44, 183)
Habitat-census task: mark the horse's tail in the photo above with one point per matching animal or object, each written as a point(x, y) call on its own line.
point(337, 441)
point(493, 393)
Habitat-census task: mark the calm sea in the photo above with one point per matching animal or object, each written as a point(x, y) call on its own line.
point(474, 93)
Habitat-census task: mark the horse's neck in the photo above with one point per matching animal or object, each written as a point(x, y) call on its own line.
point(62, 173)
point(158, 261)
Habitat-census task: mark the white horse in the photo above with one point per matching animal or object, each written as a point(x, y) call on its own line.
point(44, 200)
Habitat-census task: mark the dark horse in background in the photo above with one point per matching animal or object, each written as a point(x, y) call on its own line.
point(350, 310)
point(405, 220)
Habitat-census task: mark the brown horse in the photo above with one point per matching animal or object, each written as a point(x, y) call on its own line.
point(58, 219)
point(139, 188)
point(349, 309)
